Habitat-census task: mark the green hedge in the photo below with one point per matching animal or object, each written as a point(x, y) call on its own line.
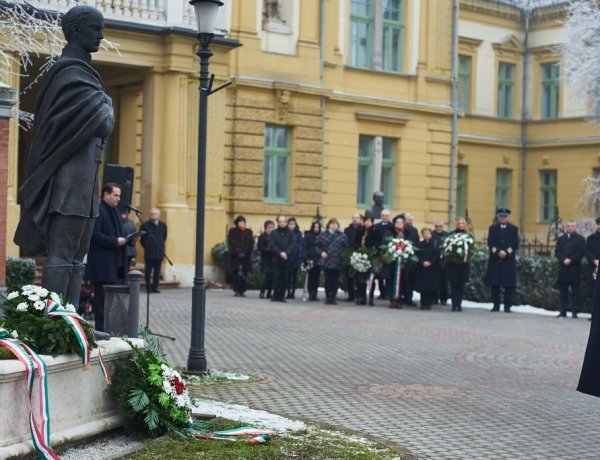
point(536, 282)
point(19, 272)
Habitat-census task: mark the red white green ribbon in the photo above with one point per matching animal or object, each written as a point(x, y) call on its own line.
point(74, 321)
point(397, 278)
point(31, 361)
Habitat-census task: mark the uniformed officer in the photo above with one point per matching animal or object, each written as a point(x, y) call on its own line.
point(503, 243)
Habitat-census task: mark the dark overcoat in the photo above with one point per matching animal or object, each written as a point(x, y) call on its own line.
point(427, 278)
point(310, 248)
point(570, 248)
point(589, 380)
point(106, 259)
point(592, 248)
point(153, 240)
point(333, 243)
point(282, 240)
point(240, 243)
point(73, 115)
point(297, 258)
point(502, 272)
point(266, 257)
point(354, 234)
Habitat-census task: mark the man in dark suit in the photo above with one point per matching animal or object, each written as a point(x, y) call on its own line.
point(153, 240)
point(570, 249)
point(353, 233)
point(106, 260)
point(592, 253)
point(438, 237)
point(383, 231)
point(283, 246)
point(503, 243)
point(411, 234)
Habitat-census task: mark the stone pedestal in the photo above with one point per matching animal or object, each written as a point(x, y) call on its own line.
point(79, 400)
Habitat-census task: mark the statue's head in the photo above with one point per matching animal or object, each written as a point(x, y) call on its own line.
point(83, 27)
point(378, 198)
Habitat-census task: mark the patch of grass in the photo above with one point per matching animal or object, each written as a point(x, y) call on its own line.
point(307, 444)
point(218, 377)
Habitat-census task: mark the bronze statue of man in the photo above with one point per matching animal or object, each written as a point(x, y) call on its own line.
point(73, 117)
point(377, 207)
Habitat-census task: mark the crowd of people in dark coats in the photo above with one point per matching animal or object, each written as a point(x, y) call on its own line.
point(289, 258)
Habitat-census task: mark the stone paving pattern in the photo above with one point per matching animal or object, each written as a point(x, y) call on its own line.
point(470, 385)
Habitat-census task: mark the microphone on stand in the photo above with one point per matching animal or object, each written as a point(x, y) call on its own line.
point(131, 208)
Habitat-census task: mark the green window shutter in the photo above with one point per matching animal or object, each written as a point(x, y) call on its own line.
point(276, 164)
point(503, 183)
point(361, 33)
point(365, 165)
point(388, 164)
point(464, 83)
point(547, 195)
point(393, 35)
point(461, 190)
point(550, 90)
point(506, 89)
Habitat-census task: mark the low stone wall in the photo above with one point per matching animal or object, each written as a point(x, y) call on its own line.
point(79, 401)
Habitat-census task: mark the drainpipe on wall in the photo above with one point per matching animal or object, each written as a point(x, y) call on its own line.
point(322, 16)
point(454, 104)
point(527, 13)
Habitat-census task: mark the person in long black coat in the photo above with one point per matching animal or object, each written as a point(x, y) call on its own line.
point(332, 243)
point(310, 254)
point(383, 231)
point(427, 271)
point(438, 236)
point(503, 244)
point(589, 379)
point(266, 259)
point(153, 239)
point(458, 272)
point(283, 245)
point(296, 261)
point(353, 234)
point(570, 249)
point(106, 260)
point(592, 254)
point(411, 234)
point(240, 243)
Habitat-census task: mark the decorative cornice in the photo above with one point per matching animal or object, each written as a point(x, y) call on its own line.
point(381, 117)
point(468, 42)
point(510, 45)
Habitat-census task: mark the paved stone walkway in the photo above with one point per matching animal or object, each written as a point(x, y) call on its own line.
point(471, 385)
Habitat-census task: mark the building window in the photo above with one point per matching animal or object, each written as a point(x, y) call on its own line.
point(547, 195)
point(461, 191)
point(377, 40)
point(361, 33)
point(464, 83)
point(376, 165)
point(393, 33)
point(276, 165)
point(550, 76)
point(596, 173)
point(506, 89)
point(503, 180)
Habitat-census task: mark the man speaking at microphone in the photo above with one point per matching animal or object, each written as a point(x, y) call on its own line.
point(107, 261)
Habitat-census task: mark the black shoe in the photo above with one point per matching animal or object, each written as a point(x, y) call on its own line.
point(507, 310)
point(410, 303)
point(371, 303)
point(261, 295)
point(494, 309)
point(269, 294)
point(454, 308)
point(289, 296)
point(458, 308)
point(574, 316)
point(349, 299)
point(561, 315)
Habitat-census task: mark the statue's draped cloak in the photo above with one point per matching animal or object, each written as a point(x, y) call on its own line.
point(72, 114)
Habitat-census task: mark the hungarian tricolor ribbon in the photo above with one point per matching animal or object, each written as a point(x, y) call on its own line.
point(305, 289)
point(370, 286)
point(31, 361)
point(74, 322)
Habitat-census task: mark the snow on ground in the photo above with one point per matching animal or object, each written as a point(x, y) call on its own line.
point(256, 418)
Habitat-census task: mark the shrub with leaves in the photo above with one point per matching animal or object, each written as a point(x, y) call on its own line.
point(253, 279)
point(19, 272)
point(150, 394)
point(26, 311)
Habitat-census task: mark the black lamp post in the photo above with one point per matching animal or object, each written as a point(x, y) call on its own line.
point(206, 16)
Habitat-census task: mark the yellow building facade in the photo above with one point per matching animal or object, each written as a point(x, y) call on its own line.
point(332, 100)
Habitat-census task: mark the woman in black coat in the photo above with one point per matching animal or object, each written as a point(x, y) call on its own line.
point(458, 271)
point(427, 272)
point(310, 255)
point(296, 261)
point(332, 243)
point(266, 259)
point(240, 243)
point(368, 239)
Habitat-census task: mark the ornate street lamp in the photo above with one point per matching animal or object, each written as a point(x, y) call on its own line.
point(206, 16)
